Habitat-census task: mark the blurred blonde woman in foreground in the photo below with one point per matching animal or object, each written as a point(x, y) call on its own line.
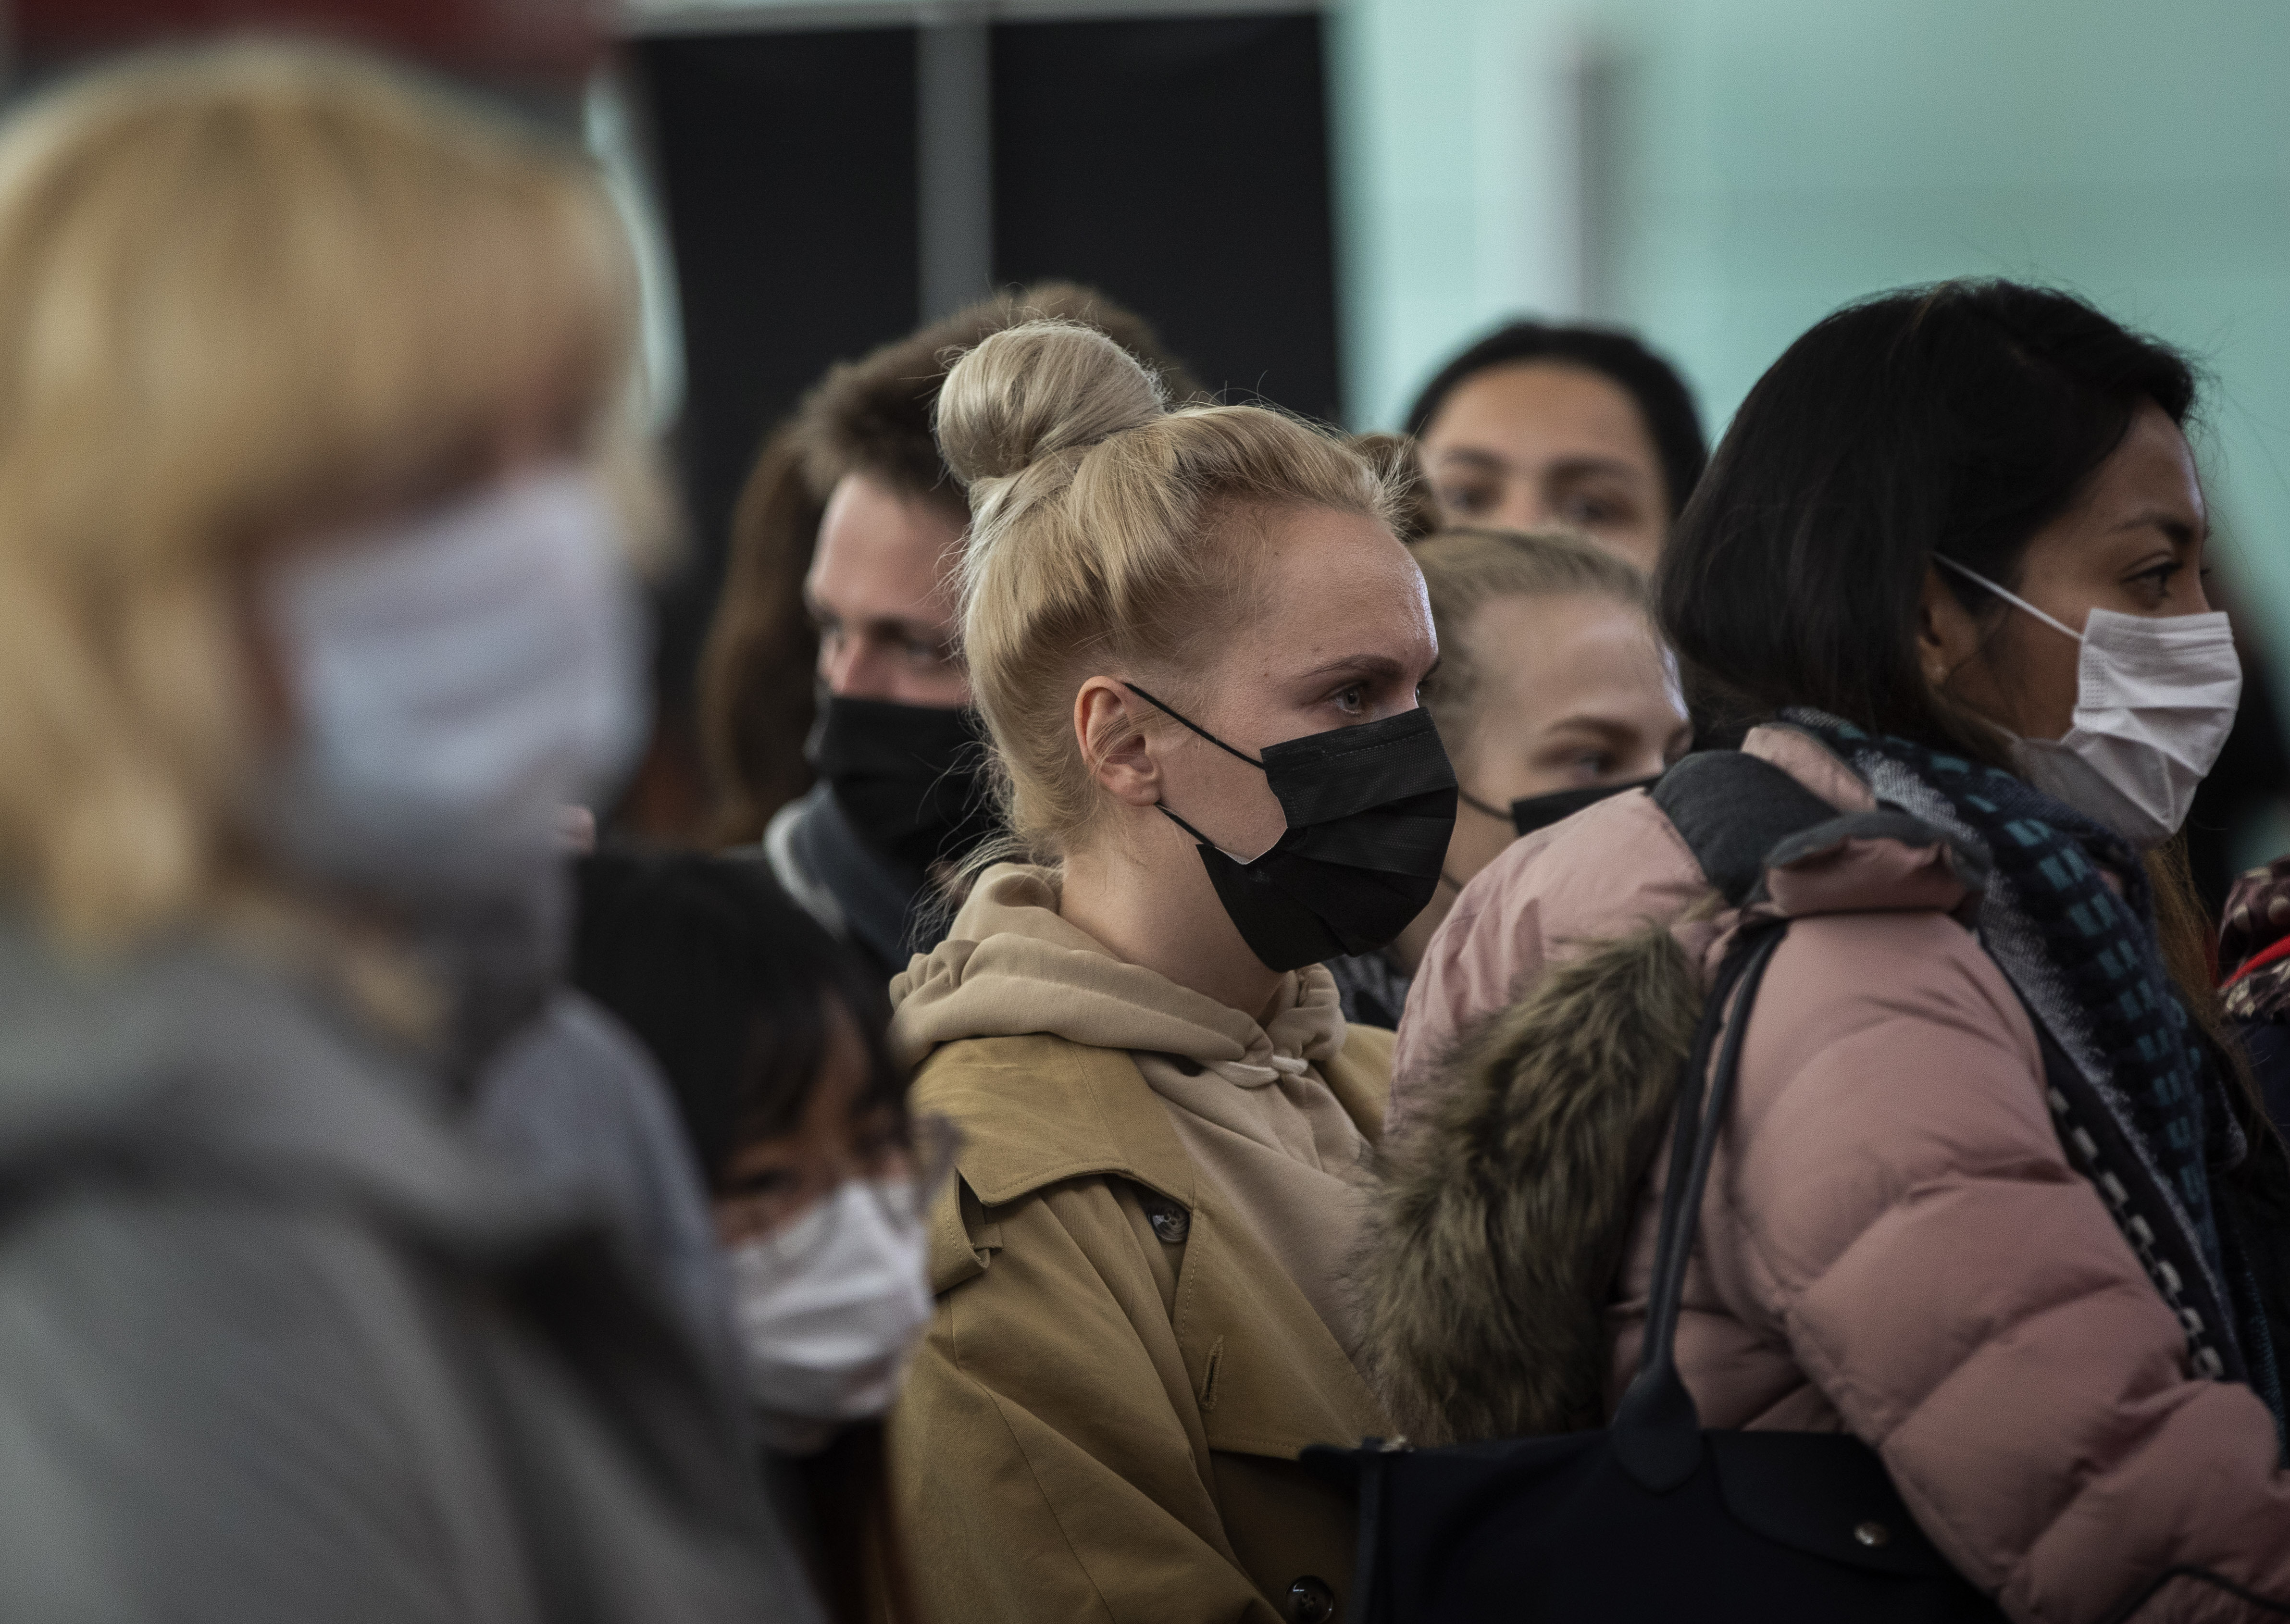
point(312, 617)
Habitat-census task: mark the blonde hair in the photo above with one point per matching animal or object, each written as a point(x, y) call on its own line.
point(1466, 569)
point(1108, 535)
point(246, 293)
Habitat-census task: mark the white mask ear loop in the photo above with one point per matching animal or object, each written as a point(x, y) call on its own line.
point(2156, 698)
point(2017, 603)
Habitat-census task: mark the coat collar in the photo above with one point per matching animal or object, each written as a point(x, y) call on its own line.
point(1037, 1110)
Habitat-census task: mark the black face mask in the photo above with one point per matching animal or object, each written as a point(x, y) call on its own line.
point(1534, 811)
point(1369, 812)
point(910, 778)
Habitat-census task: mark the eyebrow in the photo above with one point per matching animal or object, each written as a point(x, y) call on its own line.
point(1572, 467)
point(892, 625)
point(1604, 726)
point(1368, 666)
point(1567, 467)
point(2169, 521)
point(1478, 458)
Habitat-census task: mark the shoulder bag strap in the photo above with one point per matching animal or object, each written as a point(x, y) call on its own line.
point(1656, 1430)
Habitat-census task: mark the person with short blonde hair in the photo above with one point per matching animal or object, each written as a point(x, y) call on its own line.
point(1552, 692)
point(241, 309)
point(1196, 642)
point(314, 617)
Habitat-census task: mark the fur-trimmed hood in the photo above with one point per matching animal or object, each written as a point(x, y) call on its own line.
point(1894, 1241)
point(1522, 1153)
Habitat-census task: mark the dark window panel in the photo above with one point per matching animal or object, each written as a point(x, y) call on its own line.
point(1180, 165)
point(787, 166)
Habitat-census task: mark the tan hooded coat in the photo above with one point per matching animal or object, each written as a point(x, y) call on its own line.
point(1139, 1315)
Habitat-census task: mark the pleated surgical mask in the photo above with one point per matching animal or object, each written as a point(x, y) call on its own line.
point(828, 1307)
point(2155, 697)
point(1369, 811)
point(457, 682)
point(910, 778)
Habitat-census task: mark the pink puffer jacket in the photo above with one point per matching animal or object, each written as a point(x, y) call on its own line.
point(1893, 1241)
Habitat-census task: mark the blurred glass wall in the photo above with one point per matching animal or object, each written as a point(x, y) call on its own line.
point(1720, 172)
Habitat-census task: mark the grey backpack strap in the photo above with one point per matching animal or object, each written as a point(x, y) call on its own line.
point(1732, 810)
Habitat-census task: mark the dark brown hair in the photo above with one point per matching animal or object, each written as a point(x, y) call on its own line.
point(1953, 422)
point(734, 989)
point(1665, 405)
point(871, 416)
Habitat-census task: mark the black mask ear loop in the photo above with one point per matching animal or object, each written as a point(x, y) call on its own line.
point(1477, 805)
point(1204, 733)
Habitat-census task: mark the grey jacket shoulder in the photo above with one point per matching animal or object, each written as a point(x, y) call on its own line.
point(279, 1341)
point(575, 1099)
point(218, 1410)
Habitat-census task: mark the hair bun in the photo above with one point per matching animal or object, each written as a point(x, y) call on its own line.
point(1041, 387)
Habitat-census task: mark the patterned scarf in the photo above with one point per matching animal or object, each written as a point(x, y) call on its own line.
point(2146, 1116)
point(2254, 944)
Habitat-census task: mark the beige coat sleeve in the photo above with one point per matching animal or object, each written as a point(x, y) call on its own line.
point(1048, 1456)
point(1898, 1206)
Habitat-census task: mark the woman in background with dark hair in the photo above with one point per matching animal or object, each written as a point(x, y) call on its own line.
point(1582, 428)
point(772, 1036)
point(1991, 1196)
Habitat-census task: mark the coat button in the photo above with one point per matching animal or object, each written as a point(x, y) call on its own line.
point(1172, 1223)
point(1873, 1534)
point(1310, 1601)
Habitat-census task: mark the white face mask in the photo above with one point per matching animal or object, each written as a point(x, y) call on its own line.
point(2155, 699)
point(828, 1307)
point(458, 682)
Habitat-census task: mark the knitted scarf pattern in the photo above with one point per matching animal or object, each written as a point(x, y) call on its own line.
point(2152, 1117)
point(2254, 945)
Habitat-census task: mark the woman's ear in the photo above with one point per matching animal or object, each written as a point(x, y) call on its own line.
point(1946, 633)
point(1109, 723)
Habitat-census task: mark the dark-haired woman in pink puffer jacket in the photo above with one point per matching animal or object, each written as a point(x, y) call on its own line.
point(1992, 1195)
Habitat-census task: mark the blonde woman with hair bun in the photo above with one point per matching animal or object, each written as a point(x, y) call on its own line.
point(1196, 642)
point(316, 489)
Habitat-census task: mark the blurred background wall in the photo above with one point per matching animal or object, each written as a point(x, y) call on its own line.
point(831, 175)
point(1720, 172)
point(1317, 202)
point(1715, 172)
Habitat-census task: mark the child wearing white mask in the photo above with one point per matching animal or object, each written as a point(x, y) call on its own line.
point(771, 1036)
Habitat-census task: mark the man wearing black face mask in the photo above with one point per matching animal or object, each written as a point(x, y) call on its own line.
point(900, 783)
point(843, 543)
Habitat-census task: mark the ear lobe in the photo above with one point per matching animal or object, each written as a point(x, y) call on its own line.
point(1943, 630)
point(1114, 743)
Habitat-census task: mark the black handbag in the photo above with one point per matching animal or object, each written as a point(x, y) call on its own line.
point(1653, 1518)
